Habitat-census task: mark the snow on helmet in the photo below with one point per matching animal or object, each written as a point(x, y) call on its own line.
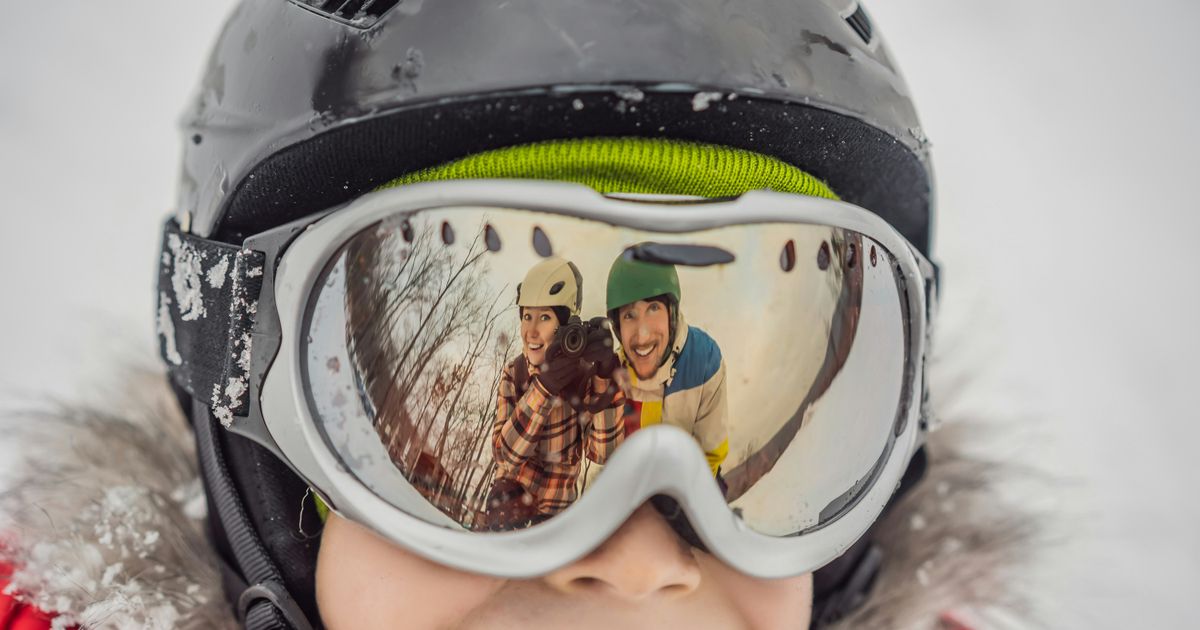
point(304, 106)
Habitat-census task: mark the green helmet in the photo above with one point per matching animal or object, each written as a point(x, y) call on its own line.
point(630, 280)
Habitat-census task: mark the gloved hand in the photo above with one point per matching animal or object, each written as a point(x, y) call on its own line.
point(599, 352)
point(560, 373)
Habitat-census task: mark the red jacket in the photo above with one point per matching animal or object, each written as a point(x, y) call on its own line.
point(16, 615)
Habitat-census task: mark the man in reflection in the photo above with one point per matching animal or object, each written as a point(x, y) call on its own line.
point(556, 401)
point(676, 371)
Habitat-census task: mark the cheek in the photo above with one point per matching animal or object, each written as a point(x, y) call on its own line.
point(661, 324)
point(764, 604)
point(628, 330)
point(366, 582)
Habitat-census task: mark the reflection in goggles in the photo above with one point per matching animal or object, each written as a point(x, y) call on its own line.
point(499, 369)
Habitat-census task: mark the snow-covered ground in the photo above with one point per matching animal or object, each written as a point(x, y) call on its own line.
point(1064, 137)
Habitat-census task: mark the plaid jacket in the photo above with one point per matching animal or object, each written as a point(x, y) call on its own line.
point(539, 440)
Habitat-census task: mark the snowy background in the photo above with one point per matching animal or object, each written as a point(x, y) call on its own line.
point(1064, 135)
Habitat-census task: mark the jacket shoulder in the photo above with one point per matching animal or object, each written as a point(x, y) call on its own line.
point(16, 614)
point(698, 362)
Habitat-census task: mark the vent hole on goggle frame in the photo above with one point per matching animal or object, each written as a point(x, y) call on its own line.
point(874, 258)
point(823, 256)
point(851, 255)
point(787, 258)
point(447, 233)
point(541, 243)
point(406, 230)
point(491, 238)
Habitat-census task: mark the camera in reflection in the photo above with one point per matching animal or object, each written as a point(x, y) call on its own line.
point(571, 339)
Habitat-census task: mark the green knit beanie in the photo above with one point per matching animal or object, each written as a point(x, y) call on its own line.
point(632, 165)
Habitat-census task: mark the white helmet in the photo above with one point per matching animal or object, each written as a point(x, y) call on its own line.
point(552, 282)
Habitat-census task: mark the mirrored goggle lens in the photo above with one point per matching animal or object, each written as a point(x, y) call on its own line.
point(476, 367)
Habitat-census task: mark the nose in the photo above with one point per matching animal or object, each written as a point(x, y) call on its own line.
point(644, 559)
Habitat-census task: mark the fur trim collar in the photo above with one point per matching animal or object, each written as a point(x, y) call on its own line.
point(102, 516)
point(951, 547)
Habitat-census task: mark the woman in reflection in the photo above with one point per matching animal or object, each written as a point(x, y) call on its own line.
point(553, 406)
point(677, 373)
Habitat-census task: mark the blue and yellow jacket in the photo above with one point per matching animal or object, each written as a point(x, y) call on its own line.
point(688, 391)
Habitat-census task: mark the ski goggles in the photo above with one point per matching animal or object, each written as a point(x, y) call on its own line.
point(757, 360)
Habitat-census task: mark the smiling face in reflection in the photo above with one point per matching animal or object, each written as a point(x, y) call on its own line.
point(645, 334)
point(538, 325)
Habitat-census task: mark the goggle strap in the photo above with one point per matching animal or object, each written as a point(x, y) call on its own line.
point(207, 300)
point(834, 606)
point(251, 576)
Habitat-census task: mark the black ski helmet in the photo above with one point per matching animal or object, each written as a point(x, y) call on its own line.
point(307, 104)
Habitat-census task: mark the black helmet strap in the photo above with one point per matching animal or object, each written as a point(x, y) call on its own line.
point(251, 579)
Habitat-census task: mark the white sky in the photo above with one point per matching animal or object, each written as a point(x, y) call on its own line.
point(1064, 136)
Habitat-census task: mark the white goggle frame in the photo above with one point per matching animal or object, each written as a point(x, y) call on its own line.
point(656, 460)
